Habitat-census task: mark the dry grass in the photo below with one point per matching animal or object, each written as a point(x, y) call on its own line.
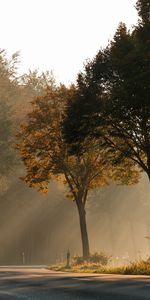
point(136, 268)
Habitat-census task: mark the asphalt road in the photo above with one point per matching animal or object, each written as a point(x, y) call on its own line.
point(38, 283)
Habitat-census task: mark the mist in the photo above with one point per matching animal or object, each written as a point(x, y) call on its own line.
point(43, 227)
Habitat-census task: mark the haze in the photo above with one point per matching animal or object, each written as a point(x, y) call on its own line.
point(60, 35)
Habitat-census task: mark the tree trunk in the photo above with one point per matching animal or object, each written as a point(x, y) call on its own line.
point(148, 167)
point(83, 228)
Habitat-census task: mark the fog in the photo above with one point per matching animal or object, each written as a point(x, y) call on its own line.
point(39, 229)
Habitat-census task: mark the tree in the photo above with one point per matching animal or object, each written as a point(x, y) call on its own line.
point(30, 85)
point(8, 94)
point(143, 8)
point(36, 83)
point(6, 150)
point(47, 156)
point(114, 96)
point(85, 111)
point(129, 108)
point(16, 93)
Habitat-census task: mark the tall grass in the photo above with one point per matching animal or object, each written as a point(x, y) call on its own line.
point(140, 267)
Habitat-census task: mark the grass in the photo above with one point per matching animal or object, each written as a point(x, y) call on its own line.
point(140, 267)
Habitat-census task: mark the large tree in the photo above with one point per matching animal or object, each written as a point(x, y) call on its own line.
point(47, 156)
point(113, 101)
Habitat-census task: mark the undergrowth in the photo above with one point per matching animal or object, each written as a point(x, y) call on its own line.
point(140, 267)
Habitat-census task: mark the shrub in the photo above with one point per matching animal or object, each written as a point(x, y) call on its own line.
point(99, 258)
point(78, 260)
point(96, 258)
point(138, 267)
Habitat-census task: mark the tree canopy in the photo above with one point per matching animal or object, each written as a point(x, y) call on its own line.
point(46, 155)
point(113, 96)
point(143, 8)
point(8, 94)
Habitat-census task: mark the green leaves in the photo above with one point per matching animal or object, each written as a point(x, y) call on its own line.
point(112, 101)
point(143, 8)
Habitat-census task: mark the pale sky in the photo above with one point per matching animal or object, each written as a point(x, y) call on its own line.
point(60, 35)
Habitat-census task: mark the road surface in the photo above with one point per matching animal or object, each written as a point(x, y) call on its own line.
point(38, 283)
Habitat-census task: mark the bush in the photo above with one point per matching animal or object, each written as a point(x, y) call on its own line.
point(78, 260)
point(96, 258)
point(138, 267)
point(99, 258)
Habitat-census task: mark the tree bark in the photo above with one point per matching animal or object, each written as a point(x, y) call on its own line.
point(148, 167)
point(83, 228)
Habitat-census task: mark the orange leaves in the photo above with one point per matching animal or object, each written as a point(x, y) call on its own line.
point(46, 154)
point(40, 141)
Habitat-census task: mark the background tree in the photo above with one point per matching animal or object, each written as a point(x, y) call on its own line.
point(36, 83)
point(16, 93)
point(30, 85)
point(8, 95)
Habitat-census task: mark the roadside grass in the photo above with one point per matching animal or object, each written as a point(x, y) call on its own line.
point(140, 267)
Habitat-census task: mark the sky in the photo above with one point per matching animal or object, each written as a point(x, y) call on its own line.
point(60, 35)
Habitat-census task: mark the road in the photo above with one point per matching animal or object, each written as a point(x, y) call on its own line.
point(38, 283)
